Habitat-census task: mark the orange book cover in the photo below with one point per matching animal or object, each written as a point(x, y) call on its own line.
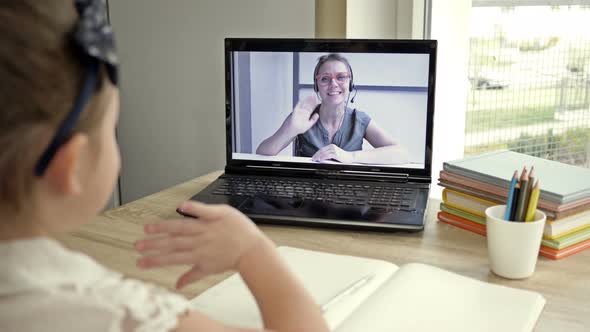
point(462, 223)
point(565, 252)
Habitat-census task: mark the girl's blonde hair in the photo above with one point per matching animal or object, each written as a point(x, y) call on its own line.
point(40, 77)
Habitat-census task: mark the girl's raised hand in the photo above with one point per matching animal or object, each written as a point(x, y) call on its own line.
point(212, 242)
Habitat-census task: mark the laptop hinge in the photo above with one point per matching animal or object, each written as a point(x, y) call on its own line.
point(323, 173)
point(359, 175)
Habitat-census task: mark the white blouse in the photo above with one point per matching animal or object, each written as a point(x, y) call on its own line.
point(46, 287)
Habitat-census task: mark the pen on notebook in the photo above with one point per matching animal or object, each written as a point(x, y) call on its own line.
point(533, 201)
point(346, 291)
point(522, 196)
point(511, 190)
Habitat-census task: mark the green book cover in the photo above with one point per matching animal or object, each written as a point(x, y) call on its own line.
point(567, 240)
point(462, 214)
point(560, 183)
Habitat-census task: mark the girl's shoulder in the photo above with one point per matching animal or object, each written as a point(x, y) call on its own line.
point(112, 305)
point(109, 306)
point(73, 292)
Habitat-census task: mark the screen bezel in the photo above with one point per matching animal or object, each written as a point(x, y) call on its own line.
point(330, 46)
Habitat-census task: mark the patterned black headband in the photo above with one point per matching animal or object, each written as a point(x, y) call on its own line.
point(94, 36)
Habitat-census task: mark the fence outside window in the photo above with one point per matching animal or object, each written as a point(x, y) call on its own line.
point(529, 78)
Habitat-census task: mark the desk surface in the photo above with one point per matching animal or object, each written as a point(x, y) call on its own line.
point(564, 283)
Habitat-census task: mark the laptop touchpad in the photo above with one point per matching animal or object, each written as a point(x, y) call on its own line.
point(271, 203)
point(300, 207)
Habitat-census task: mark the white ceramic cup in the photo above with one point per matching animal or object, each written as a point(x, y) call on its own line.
point(513, 247)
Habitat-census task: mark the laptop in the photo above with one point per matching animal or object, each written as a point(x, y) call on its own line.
point(328, 133)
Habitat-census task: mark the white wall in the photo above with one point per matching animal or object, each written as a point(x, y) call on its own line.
point(272, 95)
point(371, 18)
point(450, 26)
point(377, 19)
point(381, 69)
point(171, 127)
point(402, 114)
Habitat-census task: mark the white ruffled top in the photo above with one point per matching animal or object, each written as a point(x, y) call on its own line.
point(46, 287)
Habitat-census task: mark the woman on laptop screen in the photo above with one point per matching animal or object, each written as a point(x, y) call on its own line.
point(330, 130)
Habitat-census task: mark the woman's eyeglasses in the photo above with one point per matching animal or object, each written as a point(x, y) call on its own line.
point(325, 79)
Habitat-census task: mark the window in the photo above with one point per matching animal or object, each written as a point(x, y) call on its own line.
point(529, 77)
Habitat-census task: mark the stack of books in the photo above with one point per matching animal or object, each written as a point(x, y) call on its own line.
point(475, 183)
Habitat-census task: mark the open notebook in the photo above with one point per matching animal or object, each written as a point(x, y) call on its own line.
point(413, 297)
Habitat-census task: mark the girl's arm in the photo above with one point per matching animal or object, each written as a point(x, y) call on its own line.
point(283, 302)
point(222, 239)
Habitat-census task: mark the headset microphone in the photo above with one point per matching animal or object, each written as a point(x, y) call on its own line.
point(352, 99)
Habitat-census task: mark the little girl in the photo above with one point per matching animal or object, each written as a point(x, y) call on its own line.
point(58, 164)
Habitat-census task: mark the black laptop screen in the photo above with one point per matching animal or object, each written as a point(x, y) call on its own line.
point(337, 106)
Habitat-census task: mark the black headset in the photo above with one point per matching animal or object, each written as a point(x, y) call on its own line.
point(323, 60)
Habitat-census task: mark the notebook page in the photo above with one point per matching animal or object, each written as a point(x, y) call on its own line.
point(425, 298)
point(324, 275)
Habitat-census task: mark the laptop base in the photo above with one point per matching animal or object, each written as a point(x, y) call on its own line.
point(298, 210)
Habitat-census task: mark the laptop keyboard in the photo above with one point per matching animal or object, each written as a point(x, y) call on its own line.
point(377, 195)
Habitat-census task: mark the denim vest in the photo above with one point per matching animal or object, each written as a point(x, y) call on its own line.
point(349, 136)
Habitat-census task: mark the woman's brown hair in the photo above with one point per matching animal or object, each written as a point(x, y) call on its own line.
point(40, 77)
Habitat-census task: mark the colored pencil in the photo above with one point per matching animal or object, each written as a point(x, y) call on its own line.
point(522, 196)
point(531, 183)
point(511, 190)
point(514, 199)
point(530, 213)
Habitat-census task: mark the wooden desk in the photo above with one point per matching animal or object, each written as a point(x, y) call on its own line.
point(565, 284)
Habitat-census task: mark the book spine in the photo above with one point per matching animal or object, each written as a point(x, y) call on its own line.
point(488, 188)
point(477, 192)
point(471, 204)
point(550, 236)
point(568, 240)
point(463, 214)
